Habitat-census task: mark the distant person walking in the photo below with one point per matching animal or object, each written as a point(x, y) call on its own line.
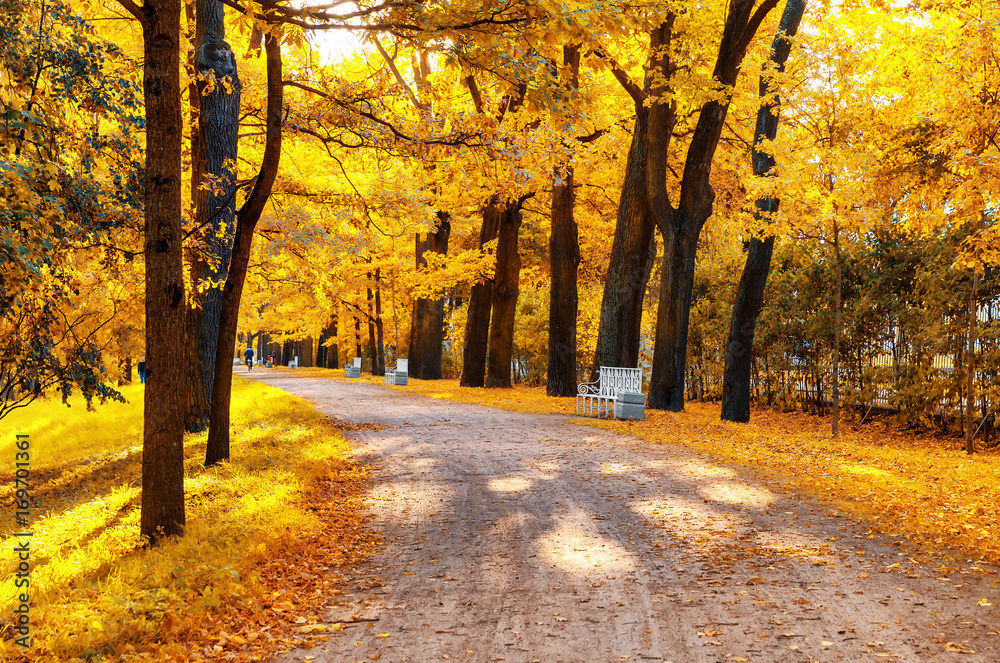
point(248, 356)
point(141, 367)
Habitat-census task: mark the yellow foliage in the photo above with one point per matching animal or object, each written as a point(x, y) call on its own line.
point(286, 503)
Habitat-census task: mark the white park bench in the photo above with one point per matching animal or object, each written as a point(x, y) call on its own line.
point(353, 370)
point(398, 374)
point(602, 393)
point(294, 363)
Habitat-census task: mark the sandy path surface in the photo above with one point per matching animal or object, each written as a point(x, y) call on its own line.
point(528, 538)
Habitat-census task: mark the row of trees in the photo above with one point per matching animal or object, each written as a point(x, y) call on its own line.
point(488, 185)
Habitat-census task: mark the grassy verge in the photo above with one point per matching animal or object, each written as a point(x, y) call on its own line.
point(248, 578)
point(918, 487)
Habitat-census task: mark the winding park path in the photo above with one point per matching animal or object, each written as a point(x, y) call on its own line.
point(524, 537)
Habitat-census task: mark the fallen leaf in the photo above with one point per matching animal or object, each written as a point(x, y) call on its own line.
point(958, 649)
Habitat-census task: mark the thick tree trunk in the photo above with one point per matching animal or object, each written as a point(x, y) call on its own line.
point(970, 369)
point(838, 306)
point(428, 320)
point(631, 260)
point(505, 291)
point(564, 256)
point(378, 323)
point(333, 352)
point(477, 326)
point(372, 351)
point(564, 253)
point(681, 225)
point(162, 507)
point(357, 337)
point(742, 327)
point(246, 220)
point(666, 388)
point(326, 351)
point(218, 128)
point(746, 308)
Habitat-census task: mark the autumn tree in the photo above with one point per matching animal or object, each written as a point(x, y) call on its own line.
point(743, 322)
point(247, 217)
point(71, 190)
point(215, 99)
point(162, 511)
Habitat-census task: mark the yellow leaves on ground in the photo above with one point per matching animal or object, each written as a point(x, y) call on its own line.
point(265, 533)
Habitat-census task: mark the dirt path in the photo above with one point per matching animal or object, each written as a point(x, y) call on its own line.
point(521, 538)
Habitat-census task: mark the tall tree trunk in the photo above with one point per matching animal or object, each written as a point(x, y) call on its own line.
point(505, 291)
point(681, 225)
point(564, 254)
point(666, 389)
point(378, 322)
point(742, 328)
point(838, 307)
point(321, 348)
point(413, 351)
point(333, 351)
point(218, 127)
point(750, 295)
point(477, 326)
point(428, 328)
point(970, 369)
point(162, 508)
point(357, 337)
point(246, 220)
point(371, 329)
point(631, 260)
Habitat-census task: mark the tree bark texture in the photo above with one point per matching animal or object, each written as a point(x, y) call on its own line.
point(428, 319)
point(357, 337)
point(326, 353)
point(750, 295)
point(970, 368)
point(506, 288)
point(630, 262)
point(564, 256)
point(477, 326)
point(162, 505)
point(246, 220)
point(742, 328)
point(379, 327)
point(838, 305)
point(214, 195)
point(681, 225)
point(372, 351)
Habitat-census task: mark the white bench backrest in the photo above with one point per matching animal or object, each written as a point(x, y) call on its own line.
point(401, 365)
point(614, 380)
point(357, 362)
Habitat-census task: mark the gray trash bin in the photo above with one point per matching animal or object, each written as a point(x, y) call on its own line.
point(630, 405)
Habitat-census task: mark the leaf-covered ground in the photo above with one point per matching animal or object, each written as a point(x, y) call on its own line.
point(919, 487)
point(265, 535)
point(530, 537)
